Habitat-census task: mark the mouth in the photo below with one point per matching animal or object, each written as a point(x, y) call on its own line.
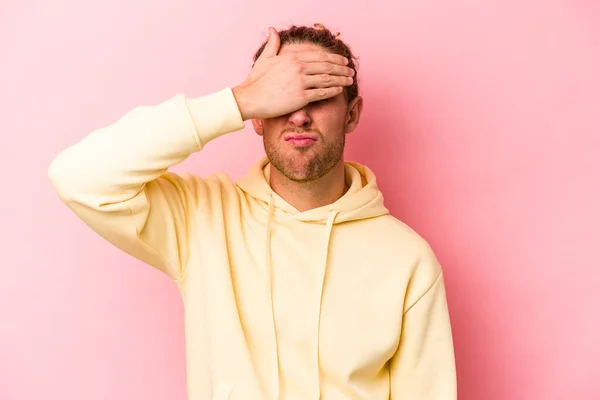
point(300, 139)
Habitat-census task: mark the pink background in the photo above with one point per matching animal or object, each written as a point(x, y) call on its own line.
point(481, 121)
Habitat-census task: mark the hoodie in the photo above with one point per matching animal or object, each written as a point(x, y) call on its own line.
point(335, 303)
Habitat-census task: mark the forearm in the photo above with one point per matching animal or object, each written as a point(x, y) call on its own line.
point(113, 163)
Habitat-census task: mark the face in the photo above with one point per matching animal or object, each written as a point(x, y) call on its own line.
point(308, 143)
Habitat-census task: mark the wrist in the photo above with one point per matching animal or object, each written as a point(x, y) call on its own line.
point(243, 104)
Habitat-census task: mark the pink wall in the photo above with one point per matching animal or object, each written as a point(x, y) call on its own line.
point(481, 120)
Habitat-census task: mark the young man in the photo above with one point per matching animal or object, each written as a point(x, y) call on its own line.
point(297, 282)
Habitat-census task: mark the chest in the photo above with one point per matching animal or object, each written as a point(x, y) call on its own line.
point(338, 294)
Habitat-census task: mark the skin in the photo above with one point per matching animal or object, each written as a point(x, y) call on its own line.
point(298, 89)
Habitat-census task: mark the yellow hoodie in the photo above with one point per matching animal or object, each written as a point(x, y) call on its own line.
point(339, 302)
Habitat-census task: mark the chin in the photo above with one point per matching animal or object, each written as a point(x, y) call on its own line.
point(306, 172)
point(301, 166)
point(293, 169)
point(295, 172)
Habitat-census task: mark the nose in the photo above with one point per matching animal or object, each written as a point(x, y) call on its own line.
point(300, 118)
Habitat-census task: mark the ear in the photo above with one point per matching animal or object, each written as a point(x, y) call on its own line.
point(353, 114)
point(258, 126)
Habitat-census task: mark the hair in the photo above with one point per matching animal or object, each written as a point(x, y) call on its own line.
point(321, 36)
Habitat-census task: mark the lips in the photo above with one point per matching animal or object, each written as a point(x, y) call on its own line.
point(300, 137)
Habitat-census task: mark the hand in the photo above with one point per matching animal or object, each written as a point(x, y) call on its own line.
point(281, 84)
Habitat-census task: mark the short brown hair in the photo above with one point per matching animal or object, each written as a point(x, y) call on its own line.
point(323, 37)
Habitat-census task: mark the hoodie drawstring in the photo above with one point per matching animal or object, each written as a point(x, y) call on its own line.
point(328, 230)
point(270, 282)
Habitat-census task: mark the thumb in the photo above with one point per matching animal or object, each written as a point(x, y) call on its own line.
point(272, 47)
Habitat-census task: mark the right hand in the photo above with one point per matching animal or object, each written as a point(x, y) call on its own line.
point(281, 84)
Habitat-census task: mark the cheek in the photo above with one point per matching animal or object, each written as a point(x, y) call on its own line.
point(273, 126)
point(332, 121)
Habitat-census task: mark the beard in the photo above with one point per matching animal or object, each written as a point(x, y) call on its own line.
point(305, 164)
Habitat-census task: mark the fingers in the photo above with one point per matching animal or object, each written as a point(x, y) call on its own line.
point(313, 68)
point(325, 81)
point(272, 47)
point(322, 56)
point(323, 93)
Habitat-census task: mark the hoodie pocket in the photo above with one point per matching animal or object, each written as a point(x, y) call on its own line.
point(223, 391)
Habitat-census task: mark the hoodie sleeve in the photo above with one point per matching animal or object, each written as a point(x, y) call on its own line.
point(116, 180)
point(424, 366)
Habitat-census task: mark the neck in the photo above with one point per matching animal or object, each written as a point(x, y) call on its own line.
point(308, 195)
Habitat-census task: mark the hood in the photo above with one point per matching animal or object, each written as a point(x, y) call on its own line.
point(362, 200)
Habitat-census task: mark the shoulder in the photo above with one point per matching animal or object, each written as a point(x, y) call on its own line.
point(215, 181)
point(399, 236)
point(409, 252)
point(198, 191)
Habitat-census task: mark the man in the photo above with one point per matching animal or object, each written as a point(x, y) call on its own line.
point(297, 282)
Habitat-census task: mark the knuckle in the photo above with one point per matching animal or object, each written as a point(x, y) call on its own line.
point(322, 92)
point(326, 78)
